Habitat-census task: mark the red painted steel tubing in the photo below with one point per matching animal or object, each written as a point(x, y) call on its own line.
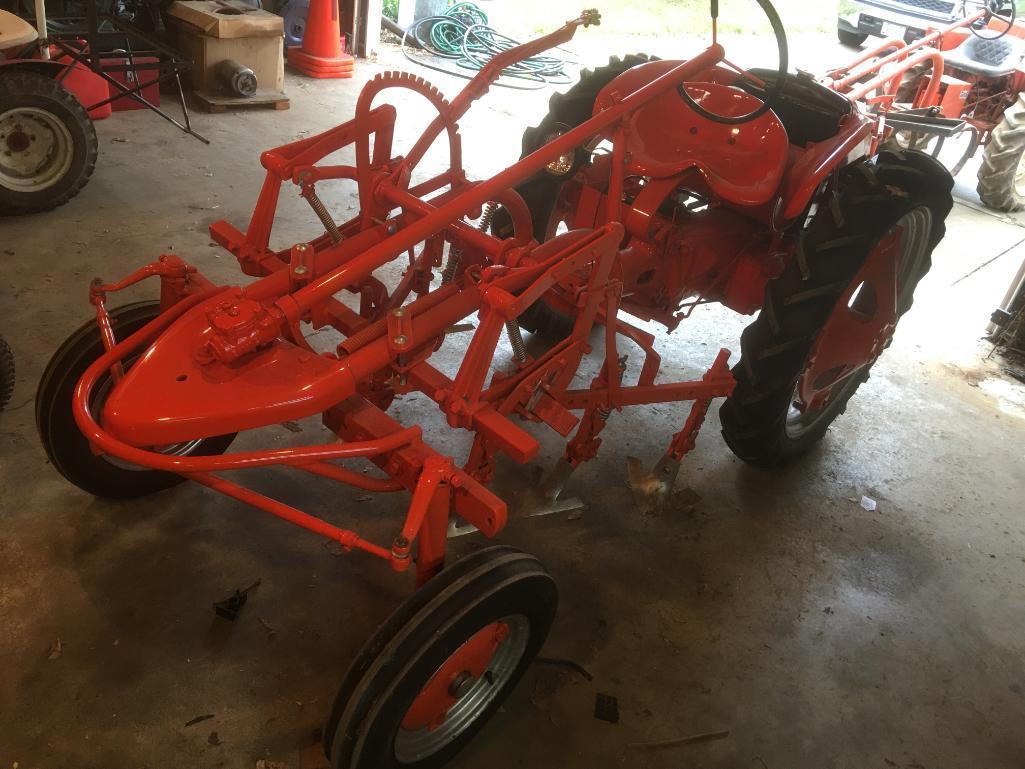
point(290, 456)
point(345, 537)
point(351, 478)
point(408, 237)
point(938, 63)
point(901, 53)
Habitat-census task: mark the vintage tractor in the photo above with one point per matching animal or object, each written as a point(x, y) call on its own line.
point(47, 140)
point(967, 78)
point(652, 187)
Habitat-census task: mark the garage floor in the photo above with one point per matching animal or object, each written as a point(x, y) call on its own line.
point(770, 605)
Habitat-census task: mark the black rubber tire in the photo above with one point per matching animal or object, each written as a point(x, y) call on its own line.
point(418, 637)
point(66, 447)
point(6, 373)
point(19, 88)
point(541, 191)
point(852, 39)
point(869, 200)
point(1001, 160)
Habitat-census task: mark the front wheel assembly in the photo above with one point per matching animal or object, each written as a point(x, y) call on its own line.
point(442, 664)
point(68, 449)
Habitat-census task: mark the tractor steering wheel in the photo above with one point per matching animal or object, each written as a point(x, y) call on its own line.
point(773, 95)
point(994, 10)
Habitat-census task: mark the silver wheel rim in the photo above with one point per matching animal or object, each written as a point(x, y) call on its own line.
point(415, 745)
point(36, 149)
point(917, 226)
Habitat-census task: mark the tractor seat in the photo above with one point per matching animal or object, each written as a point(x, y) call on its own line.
point(987, 58)
point(15, 32)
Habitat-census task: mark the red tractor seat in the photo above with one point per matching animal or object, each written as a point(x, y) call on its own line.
point(987, 58)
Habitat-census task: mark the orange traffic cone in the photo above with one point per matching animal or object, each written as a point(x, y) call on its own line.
point(320, 54)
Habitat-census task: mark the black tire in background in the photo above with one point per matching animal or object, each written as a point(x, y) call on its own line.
point(6, 373)
point(67, 448)
point(41, 123)
point(541, 191)
point(364, 730)
point(758, 422)
point(1002, 174)
point(852, 39)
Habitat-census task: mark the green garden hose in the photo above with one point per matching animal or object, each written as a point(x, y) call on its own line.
point(462, 35)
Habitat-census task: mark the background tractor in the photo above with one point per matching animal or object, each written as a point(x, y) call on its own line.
point(964, 78)
point(47, 140)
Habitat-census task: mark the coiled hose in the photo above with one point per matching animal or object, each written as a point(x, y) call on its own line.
point(463, 36)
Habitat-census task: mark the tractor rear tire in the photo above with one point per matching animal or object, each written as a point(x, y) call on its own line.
point(759, 422)
point(541, 191)
point(1002, 175)
point(68, 450)
point(6, 373)
point(47, 144)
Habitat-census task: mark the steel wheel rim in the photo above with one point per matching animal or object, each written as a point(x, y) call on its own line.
point(415, 745)
point(917, 226)
point(36, 149)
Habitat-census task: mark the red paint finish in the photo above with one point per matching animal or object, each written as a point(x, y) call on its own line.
point(683, 211)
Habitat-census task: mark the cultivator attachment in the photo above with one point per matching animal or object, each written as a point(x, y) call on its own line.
point(221, 359)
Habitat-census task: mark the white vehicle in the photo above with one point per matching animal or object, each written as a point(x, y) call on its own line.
point(908, 19)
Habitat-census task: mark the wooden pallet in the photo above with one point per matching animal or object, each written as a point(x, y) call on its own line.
point(215, 102)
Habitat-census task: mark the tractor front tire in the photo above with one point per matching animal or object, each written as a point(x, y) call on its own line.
point(760, 421)
point(68, 449)
point(1002, 175)
point(47, 143)
point(410, 700)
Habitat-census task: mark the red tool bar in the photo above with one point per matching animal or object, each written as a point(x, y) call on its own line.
point(408, 237)
point(346, 538)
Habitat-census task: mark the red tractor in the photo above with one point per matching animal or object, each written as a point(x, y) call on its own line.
point(967, 78)
point(651, 187)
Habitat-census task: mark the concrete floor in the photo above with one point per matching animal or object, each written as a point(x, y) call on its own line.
point(820, 635)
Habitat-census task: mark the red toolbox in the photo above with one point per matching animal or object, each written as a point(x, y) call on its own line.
point(131, 79)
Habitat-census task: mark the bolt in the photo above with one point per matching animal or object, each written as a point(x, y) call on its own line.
point(398, 313)
point(400, 340)
point(299, 270)
point(392, 228)
point(461, 685)
point(233, 311)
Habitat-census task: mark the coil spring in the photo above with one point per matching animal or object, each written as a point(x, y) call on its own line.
point(455, 254)
point(603, 414)
point(512, 330)
point(325, 218)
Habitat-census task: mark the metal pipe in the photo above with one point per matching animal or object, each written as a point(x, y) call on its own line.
point(44, 48)
point(345, 537)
